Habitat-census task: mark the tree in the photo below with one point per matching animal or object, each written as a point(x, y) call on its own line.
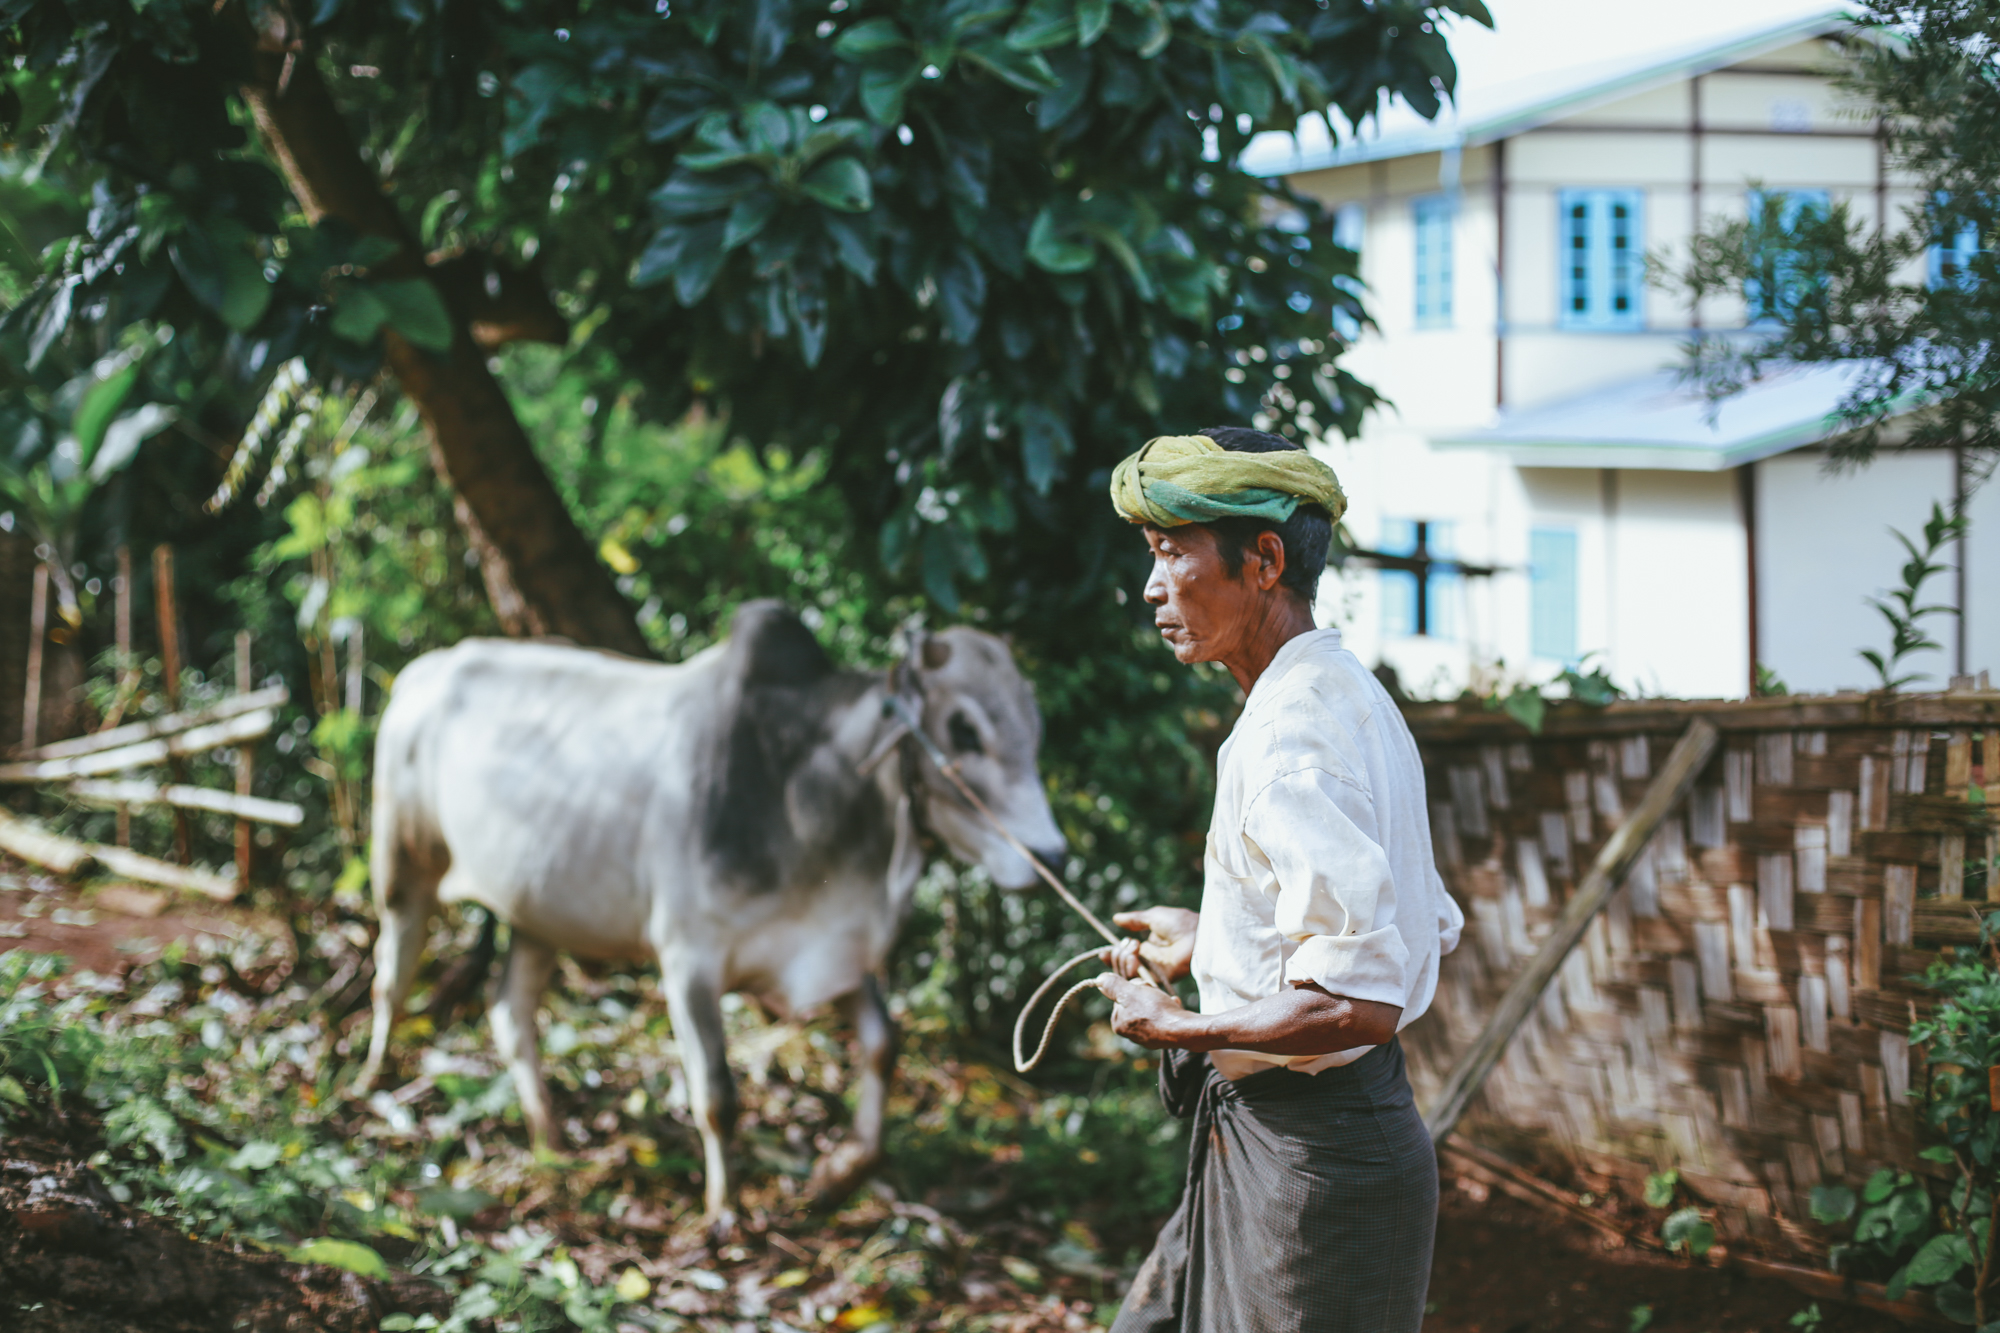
point(974, 251)
point(1918, 305)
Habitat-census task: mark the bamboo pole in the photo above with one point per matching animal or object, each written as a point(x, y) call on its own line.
point(128, 674)
point(1614, 862)
point(38, 633)
point(246, 763)
point(166, 725)
point(170, 666)
point(31, 842)
point(160, 750)
point(136, 791)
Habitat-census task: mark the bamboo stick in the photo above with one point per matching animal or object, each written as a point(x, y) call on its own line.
point(246, 764)
point(128, 672)
point(166, 725)
point(170, 667)
point(131, 865)
point(1621, 850)
point(233, 731)
point(32, 842)
point(38, 633)
point(138, 792)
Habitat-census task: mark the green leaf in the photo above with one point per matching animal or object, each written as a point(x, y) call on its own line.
point(254, 1156)
point(219, 269)
point(347, 1254)
point(869, 40)
point(444, 1201)
point(882, 92)
point(99, 405)
point(1527, 706)
point(124, 436)
point(357, 313)
point(415, 310)
point(1832, 1203)
point(1660, 1188)
point(1938, 1153)
point(1025, 70)
point(1045, 23)
point(1954, 1301)
point(748, 218)
point(1687, 1228)
point(1940, 1258)
point(1056, 249)
point(841, 183)
point(1092, 18)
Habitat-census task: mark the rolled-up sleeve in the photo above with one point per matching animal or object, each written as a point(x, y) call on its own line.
point(1336, 895)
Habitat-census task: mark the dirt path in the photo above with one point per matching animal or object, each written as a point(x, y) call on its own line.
point(1504, 1267)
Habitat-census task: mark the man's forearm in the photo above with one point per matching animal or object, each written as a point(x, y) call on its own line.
point(1302, 1020)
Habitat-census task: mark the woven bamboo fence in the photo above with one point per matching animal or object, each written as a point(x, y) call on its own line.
point(1740, 1010)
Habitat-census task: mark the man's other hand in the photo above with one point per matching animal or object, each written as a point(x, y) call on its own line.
point(1168, 946)
point(1144, 1015)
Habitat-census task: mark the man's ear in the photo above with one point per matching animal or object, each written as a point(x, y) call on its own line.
point(1271, 559)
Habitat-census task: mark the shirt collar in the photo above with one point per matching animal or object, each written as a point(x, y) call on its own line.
point(1288, 656)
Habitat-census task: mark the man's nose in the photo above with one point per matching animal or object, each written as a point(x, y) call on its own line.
point(1156, 588)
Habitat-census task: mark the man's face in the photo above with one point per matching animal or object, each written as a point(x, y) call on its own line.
point(1203, 613)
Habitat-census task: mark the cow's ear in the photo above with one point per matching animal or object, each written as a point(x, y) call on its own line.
point(936, 652)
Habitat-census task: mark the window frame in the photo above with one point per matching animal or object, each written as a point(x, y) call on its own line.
point(1541, 577)
point(1601, 287)
point(1436, 214)
point(1757, 310)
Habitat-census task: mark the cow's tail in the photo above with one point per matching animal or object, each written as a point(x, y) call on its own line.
point(466, 977)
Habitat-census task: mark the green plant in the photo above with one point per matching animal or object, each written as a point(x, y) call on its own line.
point(1641, 1319)
point(1660, 1189)
point(1529, 704)
point(1808, 1319)
point(1688, 1232)
point(1903, 609)
point(1769, 685)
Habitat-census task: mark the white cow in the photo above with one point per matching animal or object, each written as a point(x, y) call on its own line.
point(749, 819)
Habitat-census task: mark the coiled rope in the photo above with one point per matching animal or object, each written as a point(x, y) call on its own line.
point(949, 767)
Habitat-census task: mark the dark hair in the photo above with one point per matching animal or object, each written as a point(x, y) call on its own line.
point(1307, 534)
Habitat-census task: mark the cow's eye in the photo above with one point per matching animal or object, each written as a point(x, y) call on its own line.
point(964, 736)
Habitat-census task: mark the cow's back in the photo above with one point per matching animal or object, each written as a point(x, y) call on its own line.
point(557, 781)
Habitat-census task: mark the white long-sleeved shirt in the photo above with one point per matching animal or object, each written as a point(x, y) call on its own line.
point(1319, 864)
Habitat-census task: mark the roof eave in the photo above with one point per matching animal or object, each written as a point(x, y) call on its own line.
point(1480, 133)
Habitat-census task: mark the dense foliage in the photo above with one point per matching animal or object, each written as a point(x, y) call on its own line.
point(1899, 1232)
point(1823, 285)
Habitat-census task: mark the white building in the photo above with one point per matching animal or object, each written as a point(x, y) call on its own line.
point(1536, 422)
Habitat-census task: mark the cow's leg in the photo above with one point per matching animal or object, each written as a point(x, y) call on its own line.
point(406, 896)
point(836, 1174)
point(695, 1001)
point(517, 1036)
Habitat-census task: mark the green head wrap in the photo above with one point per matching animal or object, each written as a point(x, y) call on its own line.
point(1177, 479)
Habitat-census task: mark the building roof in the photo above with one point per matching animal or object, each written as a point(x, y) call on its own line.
point(1547, 59)
point(1658, 422)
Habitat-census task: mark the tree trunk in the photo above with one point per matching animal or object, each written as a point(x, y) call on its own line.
point(541, 574)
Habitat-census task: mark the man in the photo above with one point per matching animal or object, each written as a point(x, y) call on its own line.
point(1311, 1198)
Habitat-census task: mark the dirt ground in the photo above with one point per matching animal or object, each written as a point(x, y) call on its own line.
point(1508, 1267)
point(72, 1260)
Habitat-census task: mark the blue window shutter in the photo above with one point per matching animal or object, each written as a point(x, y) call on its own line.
point(1552, 594)
point(1349, 227)
point(1603, 248)
point(1764, 293)
point(1432, 218)
point(1950, 256)
point(1399, 587)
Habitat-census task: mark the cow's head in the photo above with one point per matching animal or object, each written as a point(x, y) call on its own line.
point(980, 712)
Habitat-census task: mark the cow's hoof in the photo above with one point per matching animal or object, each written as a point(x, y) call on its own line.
point(836, 1175)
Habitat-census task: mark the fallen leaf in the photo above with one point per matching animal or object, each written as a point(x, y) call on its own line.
point(347, 1254)
point(633, 1286)
point(861, 1316)
point(792, 1277)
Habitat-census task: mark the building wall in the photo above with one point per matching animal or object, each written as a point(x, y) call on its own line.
point(1824, 547)
point(1663, 584)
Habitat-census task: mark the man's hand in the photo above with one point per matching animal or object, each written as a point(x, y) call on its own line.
point(1144, 1015)
point(1168, 946)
